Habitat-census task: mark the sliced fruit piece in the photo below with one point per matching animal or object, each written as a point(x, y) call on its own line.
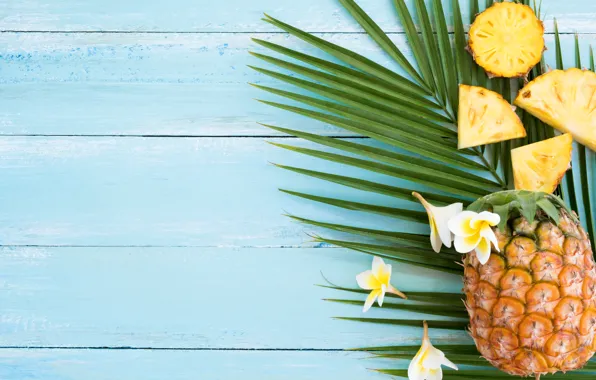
point(485, 117)
point(507, 40)
point(542, 165)
point(565, 100)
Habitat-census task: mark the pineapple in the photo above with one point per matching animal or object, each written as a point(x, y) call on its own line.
point(566, 100)
point(542, 165)
point(532, 306)
point(507, 40)
point(485, 117)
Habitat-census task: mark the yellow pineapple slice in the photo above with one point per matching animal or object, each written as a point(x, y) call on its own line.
point(542, 165)
point(565, 100)
point(485, 118)
point(507, 40)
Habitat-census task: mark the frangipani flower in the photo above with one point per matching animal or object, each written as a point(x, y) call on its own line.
point(426, 365)
point(377, 280)
point(473, 232)
point(438, 217)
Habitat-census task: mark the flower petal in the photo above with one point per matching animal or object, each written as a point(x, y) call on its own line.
point(433, 358)
point(485, 216)
point(488, 233)
point(438, 218)
point(460, 224)
point(415, 369)
point(435, 237)
point(442, 217)
point(449, 363)
point(366, 280)
point(371, 299)
point(465, 244)
point(377, 264)
point(435, 374)
point(483, 251)
point(384, 275)
point(381, 297)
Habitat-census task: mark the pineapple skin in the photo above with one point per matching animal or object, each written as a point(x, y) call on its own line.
point(532, 306)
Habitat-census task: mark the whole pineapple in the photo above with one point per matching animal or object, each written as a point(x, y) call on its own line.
point(532, 306)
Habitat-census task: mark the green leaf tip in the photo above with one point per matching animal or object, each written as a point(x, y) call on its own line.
point(521, 202)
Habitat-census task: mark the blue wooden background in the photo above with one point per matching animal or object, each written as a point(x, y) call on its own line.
point(141, 227)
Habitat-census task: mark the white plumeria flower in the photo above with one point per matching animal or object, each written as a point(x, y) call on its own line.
point(377, 280)
point(426, 365)
point(473, 231)
point(438, 217)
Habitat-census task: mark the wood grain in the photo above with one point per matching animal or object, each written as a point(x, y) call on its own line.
point(184, 365)
point(205, 298)
point(165, 191)
point(233, 15)
point(154, 84)
point(178, 244)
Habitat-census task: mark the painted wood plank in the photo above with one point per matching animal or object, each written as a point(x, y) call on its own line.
point(151, 84)
point(186, 365)
point(163, 191)
point(159, 297)
point(231, 15)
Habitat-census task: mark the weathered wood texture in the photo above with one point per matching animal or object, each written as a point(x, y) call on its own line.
point(106, 191)
point(165, 297)
point(153, 84)
point(126, 241)
point(185, 365)
point(232, 16)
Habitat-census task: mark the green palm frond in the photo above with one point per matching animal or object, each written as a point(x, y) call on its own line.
point(408, 119)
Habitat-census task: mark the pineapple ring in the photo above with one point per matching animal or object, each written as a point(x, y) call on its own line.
point(507, 40)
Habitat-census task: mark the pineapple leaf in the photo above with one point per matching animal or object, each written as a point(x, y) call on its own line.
point(549, 209)
point(370, 186)
point(567, 185)
point(440, 298)
point(422, 177)
point(353, 88)
point(434, 324)
point(414, 216)
point(431, 52)
point(415, 256)
point(524, 202)
point(462, 349)
point(456, 312)
point(390, 157)
point(365, 106)
point(446, 56)
point(415, 42)
point(366, 82)
point(463, 59)
point(354, 122)
point(358, 61)
point(402, 239)
point(377, 34)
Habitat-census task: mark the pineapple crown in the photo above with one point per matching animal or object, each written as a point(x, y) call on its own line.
point(526, 203)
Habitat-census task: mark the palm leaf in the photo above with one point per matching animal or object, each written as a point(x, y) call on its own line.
point(408, 120)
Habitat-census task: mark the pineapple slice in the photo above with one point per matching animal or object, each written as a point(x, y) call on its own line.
point(542, 165)
point(507, 40)
point(566, 100)
point(485, 117)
